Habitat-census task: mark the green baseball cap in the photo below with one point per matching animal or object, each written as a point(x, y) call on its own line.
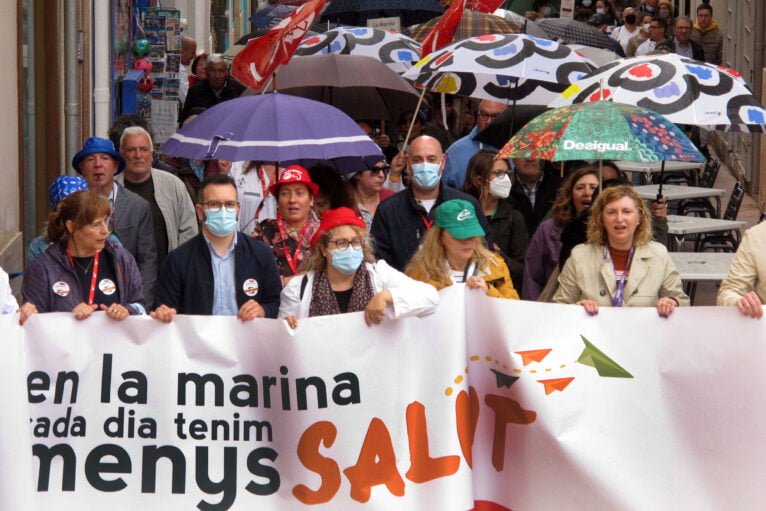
point(458, 217)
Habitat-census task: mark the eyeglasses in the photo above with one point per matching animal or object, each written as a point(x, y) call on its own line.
point(343, 244)
point(499, 174)
point(215, 206)
point(377, 170)
point(484, 116)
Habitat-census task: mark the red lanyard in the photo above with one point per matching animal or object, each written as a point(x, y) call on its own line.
point(93, 277)
point(264, 192)
point(291, 258)
point(428, 223)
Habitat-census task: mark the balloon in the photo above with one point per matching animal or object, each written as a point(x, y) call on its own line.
point(145, 84)
point(143, 64)
point(141, 47)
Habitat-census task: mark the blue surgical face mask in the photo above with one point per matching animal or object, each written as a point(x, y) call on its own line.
point(347, 261)
point(198, 167)
point(547, 10)
point(426, 175)
point(599, 10)
point(586, 3)
point(221, 223)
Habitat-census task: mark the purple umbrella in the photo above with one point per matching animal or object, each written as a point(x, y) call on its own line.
point(275, 127)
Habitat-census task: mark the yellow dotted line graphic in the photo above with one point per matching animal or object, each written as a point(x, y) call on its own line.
point(487, 358)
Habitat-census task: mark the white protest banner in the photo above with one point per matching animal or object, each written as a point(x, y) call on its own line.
point(489, 403)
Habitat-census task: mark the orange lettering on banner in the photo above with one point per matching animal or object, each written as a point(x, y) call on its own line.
point(308, 452)
point(467, 417)
point(376, 464)
point(423, 467)
point(507, 411)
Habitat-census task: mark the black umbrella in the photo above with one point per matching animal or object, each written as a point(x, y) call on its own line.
point(505, 125)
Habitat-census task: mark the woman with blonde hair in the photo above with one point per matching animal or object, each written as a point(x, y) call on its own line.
point(343, 276)
point(453, 251)
point(620, 266)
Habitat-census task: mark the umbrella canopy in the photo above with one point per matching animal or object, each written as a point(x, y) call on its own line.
point(523, 25)
point(397, 51)
point(599, 56)
point(507, 124)
point(601, 131)
point(362, 87)
point(275, 127)
point(488, 67)
point(357, 12)
point(471, 24)
point(685, 91)
point(571, 31)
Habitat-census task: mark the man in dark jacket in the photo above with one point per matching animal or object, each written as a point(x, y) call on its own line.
point(681, 43)
point(402, 220)
point(217, 87)
point(220, 271)
point(534, 190)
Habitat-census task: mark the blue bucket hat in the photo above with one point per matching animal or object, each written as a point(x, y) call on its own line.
point(98, 145)
point(63, 186)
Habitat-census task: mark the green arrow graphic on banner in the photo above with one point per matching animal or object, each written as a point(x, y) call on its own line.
point(606, 367)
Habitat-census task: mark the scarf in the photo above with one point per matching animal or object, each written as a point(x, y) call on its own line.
point(323, 302)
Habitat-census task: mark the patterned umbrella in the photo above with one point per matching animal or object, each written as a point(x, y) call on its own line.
point(472, 24)
point(603, 130)
point(397, 51)
point(685, 91)
point(275, 127)
point(571, 31)
point(489, 66)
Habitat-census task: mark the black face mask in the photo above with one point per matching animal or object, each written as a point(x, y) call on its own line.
point(630, 19)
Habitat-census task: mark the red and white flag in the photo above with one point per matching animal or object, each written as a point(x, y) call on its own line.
point(263, 55)
point(443, 32)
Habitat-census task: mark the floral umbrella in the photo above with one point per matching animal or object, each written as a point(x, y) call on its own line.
point(603, 130)
point(683, 90)
point(501, 67)
point(397, 51)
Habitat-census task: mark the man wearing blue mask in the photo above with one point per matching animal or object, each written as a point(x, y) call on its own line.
point(220, 271)
point(401, 221)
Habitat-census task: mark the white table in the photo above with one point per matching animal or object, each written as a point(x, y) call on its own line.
point(681, 226)
point(702, 266)
point(697, 267)
point(647, 168)
point(678, 192)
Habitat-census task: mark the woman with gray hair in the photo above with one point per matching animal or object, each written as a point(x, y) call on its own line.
point(620, 266)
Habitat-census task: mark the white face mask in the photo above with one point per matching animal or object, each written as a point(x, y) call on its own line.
point(500, 187)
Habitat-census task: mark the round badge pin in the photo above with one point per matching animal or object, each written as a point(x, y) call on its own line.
point(107, 286)
point(250, 287)
point(61, 288)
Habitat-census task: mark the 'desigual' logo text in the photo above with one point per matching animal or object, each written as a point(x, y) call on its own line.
point(597, 146)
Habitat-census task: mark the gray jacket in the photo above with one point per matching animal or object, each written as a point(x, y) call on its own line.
point(176, 206)
point(133, 226)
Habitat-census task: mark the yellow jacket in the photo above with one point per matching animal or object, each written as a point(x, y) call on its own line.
point(497, 276)
point(748, 268)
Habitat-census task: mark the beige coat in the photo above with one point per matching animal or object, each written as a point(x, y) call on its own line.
point(748, 268)
point(587, 275)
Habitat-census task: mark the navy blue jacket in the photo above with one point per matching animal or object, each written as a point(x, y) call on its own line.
point(398, 225)
point(186, 279)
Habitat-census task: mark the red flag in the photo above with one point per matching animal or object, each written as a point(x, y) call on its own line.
point(484, 5)
point(263, 55)
point(443, 32)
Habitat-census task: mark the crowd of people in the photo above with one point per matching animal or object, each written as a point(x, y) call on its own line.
point(132, 234)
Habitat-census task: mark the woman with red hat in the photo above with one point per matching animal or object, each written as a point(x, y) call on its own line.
point(343, 276)
point(289, 235)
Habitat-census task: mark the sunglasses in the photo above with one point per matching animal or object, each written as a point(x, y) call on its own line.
point(377, 170)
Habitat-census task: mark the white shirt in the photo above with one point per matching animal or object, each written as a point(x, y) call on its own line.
point(623, 35)
point(250, 194)
point(411, 297)
point(646, 48)
point(183, 82)
point(8, 304)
